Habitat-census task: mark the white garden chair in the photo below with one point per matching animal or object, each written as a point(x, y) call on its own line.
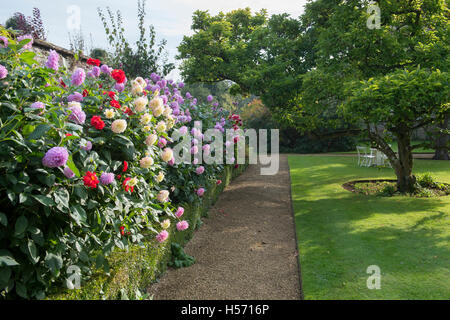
point(365, 158)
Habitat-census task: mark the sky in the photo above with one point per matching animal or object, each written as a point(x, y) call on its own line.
point(171, 18)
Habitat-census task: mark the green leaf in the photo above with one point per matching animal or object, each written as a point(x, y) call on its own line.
point(61, 197)
point(36, 235)
point(32, 250)
point(5, 274)
point(48, 180)
point(3, 219)
point(28, 57)
point(23, 197)
point(46, 201)
point(78, 214)
point(21, 225)
point(73, 127)
point(73, 167)
point(39, 131)
point(53, 89)
point(53, 262)
point(6, 259)
point(21, 290)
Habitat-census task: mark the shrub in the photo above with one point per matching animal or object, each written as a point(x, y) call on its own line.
point(79, 174)
point(388, 190)
point(426, 180)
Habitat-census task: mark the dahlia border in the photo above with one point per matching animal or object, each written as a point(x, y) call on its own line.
point(139, 267)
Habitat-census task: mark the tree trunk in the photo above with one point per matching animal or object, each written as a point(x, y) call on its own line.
point(441, 151)
point(403, 167)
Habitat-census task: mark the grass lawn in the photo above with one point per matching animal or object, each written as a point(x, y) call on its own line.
point(341, 233)
point(395, 147)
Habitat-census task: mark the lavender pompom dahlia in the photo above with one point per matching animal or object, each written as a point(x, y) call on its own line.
point(55, 157)
point(68, 173)
point(87, 146)
point(5, 42)
point(37, 105)
point(78, 116)
point(96, 71)
point(107, 178)
point(76, 96)
point(53, 60)
point(78, 77)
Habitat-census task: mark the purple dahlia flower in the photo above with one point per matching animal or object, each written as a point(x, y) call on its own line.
point(55, 157)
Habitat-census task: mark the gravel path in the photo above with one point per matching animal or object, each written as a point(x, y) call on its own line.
point(246, 249)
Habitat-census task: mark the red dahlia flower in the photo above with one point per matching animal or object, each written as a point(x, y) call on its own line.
point(126, 186)
point(90, 180)
point(97, 123)
point(115, 104)
point(125, 166)
point(93, 62)
point(128, 111)
point(85, 93)
point(118, 75)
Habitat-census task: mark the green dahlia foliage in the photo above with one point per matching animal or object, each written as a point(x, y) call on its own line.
point(86, 166)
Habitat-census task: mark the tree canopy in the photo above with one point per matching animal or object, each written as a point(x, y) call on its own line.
point(325, 69)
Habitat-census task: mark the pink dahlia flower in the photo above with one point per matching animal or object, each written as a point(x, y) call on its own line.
point(200, 192)
point(200, 170)
point(179, 212)
point(3, 72)
point(162, 236)
point(182, 225)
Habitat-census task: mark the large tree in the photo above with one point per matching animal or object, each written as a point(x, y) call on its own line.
point(383, 76)
point(402, 101)
point(305, 69)
point(260, 55)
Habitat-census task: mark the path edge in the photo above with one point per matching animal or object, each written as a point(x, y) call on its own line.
point(291, 207)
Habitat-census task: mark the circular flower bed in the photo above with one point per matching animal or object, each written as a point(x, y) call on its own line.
point(388, 188)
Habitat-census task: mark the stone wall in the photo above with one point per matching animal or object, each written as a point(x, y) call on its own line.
point(42, 49)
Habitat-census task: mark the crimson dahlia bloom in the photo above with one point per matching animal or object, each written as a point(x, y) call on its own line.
point(115, 104)
point(126, 186)
point(97, 123)
point(91, 180)
point(118, 75)
point(93, 62)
